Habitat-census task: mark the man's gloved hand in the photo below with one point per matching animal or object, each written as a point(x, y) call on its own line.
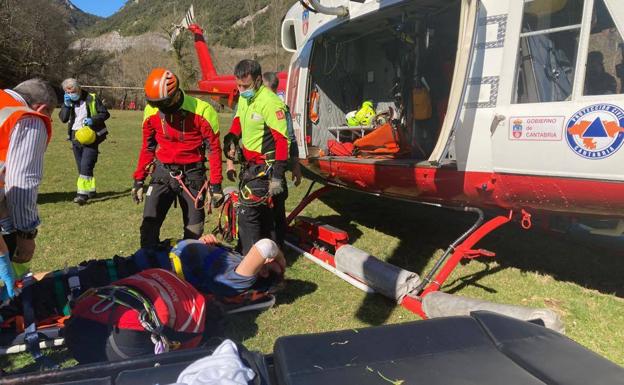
point(231, 175)
point(230, 172)
point(87, 122)
point(216, 192)
point(7, 276)
point(296, 173)
point(67, 100)
point(137, 191)
point(275, 187)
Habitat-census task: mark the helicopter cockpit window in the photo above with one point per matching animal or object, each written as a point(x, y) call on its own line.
point(604, 73)
point(548, 50)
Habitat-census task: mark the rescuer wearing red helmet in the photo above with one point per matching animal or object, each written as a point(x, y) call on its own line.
point(178, 131)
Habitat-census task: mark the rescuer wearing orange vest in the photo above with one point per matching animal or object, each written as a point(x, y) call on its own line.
point(260, 126)
point(178, 131)
point(25, 130)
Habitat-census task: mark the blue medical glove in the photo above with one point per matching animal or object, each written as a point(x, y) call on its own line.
point(7, 275)
point(67, 100)
point(87, 122)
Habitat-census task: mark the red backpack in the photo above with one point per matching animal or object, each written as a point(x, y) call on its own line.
point(150, 312)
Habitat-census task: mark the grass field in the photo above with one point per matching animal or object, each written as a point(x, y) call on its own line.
point(584, 284)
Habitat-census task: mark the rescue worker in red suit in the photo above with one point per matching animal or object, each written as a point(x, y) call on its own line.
point(179, 133)
point(259, 129)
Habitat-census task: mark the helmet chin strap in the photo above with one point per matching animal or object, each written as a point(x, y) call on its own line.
point(175, 106)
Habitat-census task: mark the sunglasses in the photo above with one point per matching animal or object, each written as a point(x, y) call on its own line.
point(162, 104)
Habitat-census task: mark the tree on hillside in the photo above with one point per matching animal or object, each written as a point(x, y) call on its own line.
point(280, 7)
point(34, 41)
point(86, 64)
point(182, 56)
point(251, 10)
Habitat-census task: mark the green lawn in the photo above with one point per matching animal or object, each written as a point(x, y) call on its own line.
point(584, 285)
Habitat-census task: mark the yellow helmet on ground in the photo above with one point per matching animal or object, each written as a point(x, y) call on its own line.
point(85, 135)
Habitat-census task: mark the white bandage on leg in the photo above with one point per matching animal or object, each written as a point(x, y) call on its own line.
point(267, 248)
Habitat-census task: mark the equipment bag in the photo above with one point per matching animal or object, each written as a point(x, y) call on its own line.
point(336, 148)
point(421, 103)
point(150, 312)
point(383, 141)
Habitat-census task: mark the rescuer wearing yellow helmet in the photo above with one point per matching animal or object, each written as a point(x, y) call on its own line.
point(84, 114)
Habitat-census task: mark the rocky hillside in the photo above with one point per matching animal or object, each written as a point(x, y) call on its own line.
point(234, 30)
point(74, 16)
point(233, 23)
point(121, 49)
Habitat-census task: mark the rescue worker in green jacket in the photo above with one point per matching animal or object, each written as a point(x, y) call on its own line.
point(81, 109)
point(259, 129)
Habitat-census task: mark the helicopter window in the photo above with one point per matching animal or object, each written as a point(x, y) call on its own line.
point(605, 58)
point(548, 14)
point(548, 50)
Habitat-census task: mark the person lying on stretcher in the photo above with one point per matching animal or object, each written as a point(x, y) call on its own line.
point(225, 273)
point(213, 269)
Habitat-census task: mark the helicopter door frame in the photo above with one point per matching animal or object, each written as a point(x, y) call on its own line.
point(466, 43)
point(297, 95)
point(616, 9)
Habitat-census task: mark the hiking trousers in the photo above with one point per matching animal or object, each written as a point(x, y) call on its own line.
point(162, 192)
point(86, 157)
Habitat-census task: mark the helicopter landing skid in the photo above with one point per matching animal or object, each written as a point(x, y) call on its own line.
point(320, 242)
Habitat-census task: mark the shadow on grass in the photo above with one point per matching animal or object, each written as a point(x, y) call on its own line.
point(240, 327)
point(460, 283)
point(294, 289)
point(423, 230)
point(68, 196)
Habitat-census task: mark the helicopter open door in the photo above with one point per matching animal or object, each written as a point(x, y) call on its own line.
point(296, 91)
point(560, 104)
point(444, 149)
point(393, 56)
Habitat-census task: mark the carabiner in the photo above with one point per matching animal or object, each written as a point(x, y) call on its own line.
point(526, 220)
point(95, 309)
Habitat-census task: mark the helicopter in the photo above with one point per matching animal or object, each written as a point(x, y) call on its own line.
point(220, 88)
point(484, 106)
point(511, 107)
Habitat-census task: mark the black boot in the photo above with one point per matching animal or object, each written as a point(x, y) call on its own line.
point(81, 199)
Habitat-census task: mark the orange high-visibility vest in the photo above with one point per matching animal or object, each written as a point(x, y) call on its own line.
point(11, 110)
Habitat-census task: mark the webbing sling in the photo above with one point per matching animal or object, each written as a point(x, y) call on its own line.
point(176, 264)
point(59, 292)
point(112, 271)
point(31, 336)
